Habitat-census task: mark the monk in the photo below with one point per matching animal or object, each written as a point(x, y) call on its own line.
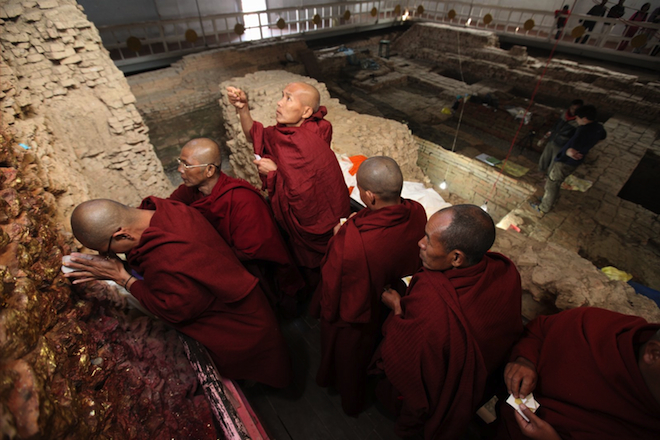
point(453, 328)
point(191, 280)
point(373, 249)
point(595, 373)
point(301, 173)
point(241, 216)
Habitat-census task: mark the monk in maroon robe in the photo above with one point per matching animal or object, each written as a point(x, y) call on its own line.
point(301, 173)
point(454, 327)
point(241, 216)
point(191, 280)
point(375, 248)
point(595, 373)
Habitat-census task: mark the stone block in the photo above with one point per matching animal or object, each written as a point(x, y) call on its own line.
point(35, 58)
point(71, 60)
point(32, 16)
point(67, 52)
point(12, 10)
point(47, 4)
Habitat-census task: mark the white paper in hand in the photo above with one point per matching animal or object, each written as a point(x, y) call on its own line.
point(529, 402)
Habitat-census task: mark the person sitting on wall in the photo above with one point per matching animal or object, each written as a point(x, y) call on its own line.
point(595, 374)
point(191, 279)
point(242, 218)
point(375, 248)
point(555, 139)
point(453, 328)
point(588, 134)
point(300, 171)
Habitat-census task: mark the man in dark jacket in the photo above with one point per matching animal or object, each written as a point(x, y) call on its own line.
point(555, 139)
point(588, 134)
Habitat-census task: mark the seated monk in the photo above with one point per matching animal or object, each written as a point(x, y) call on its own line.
point(191, 280)
point(454, 326)
point(375, 248)
point(301, 173)
point(241, 216)
point(595, 373)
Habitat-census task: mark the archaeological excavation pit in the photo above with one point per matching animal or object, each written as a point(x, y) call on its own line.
point(76, 128)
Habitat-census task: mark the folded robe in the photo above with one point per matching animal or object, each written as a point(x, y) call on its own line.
point(307, 191)
point(243, 219)
point(372, 249)
point(193, 281)
point(455, 329)
point(589, 383)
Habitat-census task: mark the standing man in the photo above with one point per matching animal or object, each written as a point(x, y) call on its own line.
point(191, 280)
point(615, 11)
point(595, 374)
point(587, 135)
point(300, 171)
point(375, 248)
point(452, 330)
point(596, 11)
point(555, 139)
point(242, 218)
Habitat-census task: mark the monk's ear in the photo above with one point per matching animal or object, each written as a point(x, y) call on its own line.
point(371, 197)
point(457, 258)
point(651, 353)
point(123, 234)
point(307, 112)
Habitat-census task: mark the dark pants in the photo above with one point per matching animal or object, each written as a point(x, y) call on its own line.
point(559, 171)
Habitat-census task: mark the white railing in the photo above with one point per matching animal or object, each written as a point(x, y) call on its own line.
point(131, 43)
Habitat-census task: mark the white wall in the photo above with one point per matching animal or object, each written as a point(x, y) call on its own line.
point(108, 12)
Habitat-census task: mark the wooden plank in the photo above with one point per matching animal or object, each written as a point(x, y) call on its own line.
point(219, 399)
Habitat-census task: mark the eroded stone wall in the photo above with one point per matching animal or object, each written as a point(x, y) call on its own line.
point(64, 98)
point(353, 133)
point(611, 92)
point(559, 279)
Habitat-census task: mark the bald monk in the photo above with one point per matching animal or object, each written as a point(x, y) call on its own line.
point(192, 280)
point(453, 328)
point(240, 215)
point(301, 173)
point(596, 374)
point(373, 249)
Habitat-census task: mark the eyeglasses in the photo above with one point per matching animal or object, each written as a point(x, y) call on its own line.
point(108, 252)
point(187, 167)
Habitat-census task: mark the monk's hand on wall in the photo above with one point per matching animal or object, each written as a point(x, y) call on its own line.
point(97, 268)
point(520, 377)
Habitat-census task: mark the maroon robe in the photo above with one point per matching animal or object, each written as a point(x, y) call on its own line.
point(589, 383)
point(307, 191)
point(243, 219)
point(455, 329)
point(194, 282)
point(372, 250)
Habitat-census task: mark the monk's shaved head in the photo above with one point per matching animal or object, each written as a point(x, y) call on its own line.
point(93, 222)
point(308, 94)
point(204, 150)
point(382, 176)
point(471, 231)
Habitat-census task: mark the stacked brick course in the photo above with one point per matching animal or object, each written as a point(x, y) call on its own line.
point(62, 96)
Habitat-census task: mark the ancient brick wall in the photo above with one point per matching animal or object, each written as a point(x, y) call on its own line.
point(472, 180)
point(193, 81)
point(564, 80)
point(63, 98)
